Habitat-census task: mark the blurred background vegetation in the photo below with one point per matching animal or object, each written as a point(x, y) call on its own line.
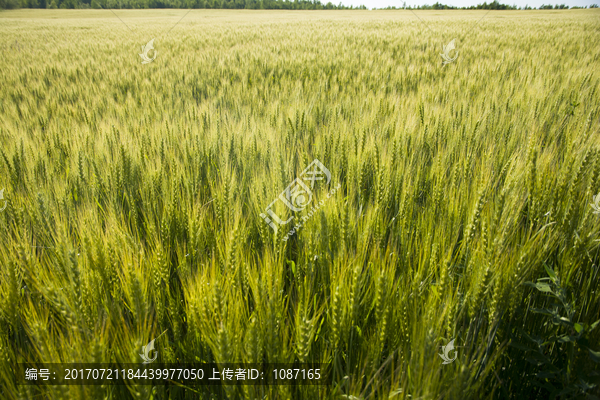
point(244, 4)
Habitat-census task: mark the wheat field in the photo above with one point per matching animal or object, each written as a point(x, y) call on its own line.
point(465, 208)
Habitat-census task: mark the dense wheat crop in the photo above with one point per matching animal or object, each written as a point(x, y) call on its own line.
point(134, 192)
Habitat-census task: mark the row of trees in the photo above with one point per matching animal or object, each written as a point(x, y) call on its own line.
point(245, 4)
point(495, 5)
point(221, 4)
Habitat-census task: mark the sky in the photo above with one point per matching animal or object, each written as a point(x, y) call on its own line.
point(461, 3)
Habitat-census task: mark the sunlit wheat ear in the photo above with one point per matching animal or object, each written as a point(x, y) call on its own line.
point(253, 342)
point(231, 262)
point(272, 329)
point(470, 233)
point(381, 310)
point(354, 296)
point(335, 317)
point(497, 303)
point(515, 280)
point(175, 314)
point(479, 292)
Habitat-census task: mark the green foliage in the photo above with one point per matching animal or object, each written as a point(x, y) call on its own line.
point(214, 4)
point(9, 4)
point(495, 5)
point(562, 349)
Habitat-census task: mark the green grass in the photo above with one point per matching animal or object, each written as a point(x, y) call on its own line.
point(142, 188)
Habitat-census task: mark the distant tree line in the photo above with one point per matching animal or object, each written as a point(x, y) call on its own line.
point(495, 5)
point(220, 4)
point(247, 4)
